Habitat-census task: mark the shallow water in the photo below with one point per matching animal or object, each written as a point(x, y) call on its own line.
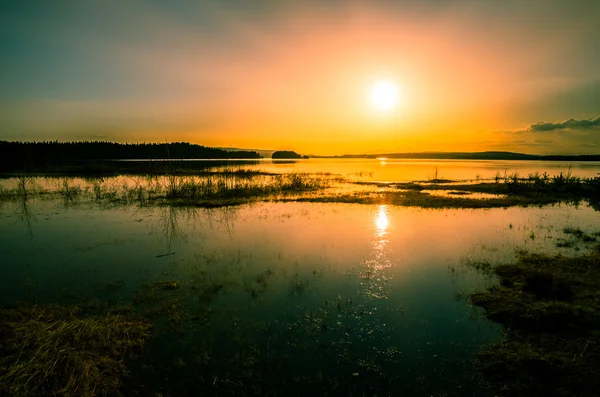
point(404, 170)
point(365, 294)
point(383, 170)
point(399, 170)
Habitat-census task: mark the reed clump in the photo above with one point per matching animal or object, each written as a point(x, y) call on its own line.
point(210, 188)
point(565, 183)
point(54, 350)
point(230, 185)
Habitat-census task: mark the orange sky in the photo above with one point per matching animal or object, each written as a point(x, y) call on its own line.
point(472, 75)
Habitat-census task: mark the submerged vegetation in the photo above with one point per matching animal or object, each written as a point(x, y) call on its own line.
point(550, 309)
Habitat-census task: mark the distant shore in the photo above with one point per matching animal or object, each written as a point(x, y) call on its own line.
point(469, 156)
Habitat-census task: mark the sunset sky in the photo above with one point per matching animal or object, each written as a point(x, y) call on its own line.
point(470, 75)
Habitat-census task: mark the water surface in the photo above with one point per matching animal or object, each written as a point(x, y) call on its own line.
point(403, 170)
point(368, 295)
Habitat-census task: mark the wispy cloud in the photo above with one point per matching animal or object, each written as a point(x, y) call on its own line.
point(570, 124)
point(572, 136)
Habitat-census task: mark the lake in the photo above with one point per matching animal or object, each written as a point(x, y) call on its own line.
point(292, 297)
point(402, 170)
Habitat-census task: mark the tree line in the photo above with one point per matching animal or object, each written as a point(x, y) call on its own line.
point(35, 155)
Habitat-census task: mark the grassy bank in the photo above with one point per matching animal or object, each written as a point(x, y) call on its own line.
point(550, 308)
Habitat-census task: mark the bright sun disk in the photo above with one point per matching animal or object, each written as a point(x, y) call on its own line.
point(384, 95)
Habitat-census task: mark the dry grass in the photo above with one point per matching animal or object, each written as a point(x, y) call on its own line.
point(51, 350)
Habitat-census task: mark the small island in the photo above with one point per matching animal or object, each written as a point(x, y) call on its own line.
point(286, 154)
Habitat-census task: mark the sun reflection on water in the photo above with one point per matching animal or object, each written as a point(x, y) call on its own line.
point(374, 277)
point(381, 221)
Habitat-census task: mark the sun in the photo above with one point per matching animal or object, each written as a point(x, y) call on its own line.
point(384, 95)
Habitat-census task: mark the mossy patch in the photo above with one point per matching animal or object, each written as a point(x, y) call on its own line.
point(550, 307)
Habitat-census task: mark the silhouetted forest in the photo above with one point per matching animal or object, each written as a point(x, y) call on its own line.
point(27, 156)
point(285, 154)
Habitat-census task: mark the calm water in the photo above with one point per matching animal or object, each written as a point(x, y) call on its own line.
point(391, 170)
point(368, 295)
point(410, 170)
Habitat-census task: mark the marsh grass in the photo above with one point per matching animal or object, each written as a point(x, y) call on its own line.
point(230, 187)
point(236, 186)
point(561, 184)
point(417, 198)
point(69, 191)
point(24, 188)
point(213, 188)
point(549, 306)
point(96, 347)
point(514, 191)
point(52, 350)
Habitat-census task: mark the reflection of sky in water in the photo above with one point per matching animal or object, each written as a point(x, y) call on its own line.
point(383, 240)
point(377, 278)
point(409, 170)
point(378, 170)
